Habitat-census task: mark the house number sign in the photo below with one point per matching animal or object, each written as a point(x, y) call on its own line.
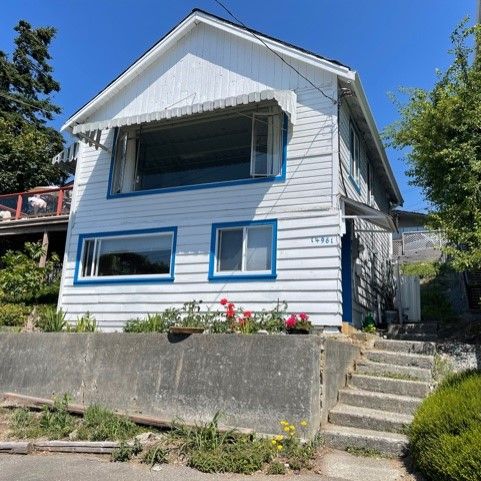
point(324, 240)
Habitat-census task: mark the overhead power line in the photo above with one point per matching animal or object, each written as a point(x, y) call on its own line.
point(334, 101)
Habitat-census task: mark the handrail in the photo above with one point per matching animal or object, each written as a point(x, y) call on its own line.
point(38, 211)
point(35, 192)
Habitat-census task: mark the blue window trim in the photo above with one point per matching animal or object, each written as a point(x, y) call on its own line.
point(213, 277)
point(351, 157)
point(127, 279)
point(277, 179)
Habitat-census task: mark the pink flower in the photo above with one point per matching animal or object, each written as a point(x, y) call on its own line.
point(303, 316)
point(223, 302)
point(247, 314)
point(291, 321)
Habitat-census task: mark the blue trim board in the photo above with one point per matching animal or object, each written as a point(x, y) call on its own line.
point(127, 279)
point(346, 275)
point(213, 277)
point(277, 179)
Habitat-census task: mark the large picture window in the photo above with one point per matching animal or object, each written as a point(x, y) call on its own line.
point(221, 148)
point(146, 255)
point(243, 250)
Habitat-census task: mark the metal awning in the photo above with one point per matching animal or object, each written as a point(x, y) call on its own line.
point(286, 99)
point(358, 210)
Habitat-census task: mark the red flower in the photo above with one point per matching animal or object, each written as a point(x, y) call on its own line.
point(247, 314)
point(223, 302)
point(231, 305)
point(230, 312)
point(241, 321)
point(291, 321)
point(304, 316)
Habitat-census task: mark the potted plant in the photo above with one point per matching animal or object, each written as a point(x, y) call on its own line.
point(192, 320)
point(298, 324)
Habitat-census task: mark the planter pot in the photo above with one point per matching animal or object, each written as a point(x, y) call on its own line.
point(298, 331)
point(186, 330)
point(391, 317)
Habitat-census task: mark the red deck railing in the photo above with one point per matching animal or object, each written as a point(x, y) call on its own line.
point(36, 203)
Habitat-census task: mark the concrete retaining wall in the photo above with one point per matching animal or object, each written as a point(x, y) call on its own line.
point(337, 361)
point(255, 381)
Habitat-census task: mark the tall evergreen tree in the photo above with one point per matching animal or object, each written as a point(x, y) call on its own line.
point(27, 144)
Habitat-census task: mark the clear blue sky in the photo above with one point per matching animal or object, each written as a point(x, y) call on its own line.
point(391, 43)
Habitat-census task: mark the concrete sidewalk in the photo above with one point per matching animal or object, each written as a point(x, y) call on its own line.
point(334, 466)
point(77, 467)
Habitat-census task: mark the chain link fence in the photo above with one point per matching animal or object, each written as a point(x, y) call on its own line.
point(418, 246)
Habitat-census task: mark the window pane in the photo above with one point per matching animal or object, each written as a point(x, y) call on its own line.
point(195, 153)
point(260, 146)
point(230, 250)
point(135, 255)
point(259, 249)
point(87, 258)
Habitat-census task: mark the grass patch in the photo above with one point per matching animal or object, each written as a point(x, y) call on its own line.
point(101, 424)
point(125, 452)
point(366, 452)
point(445, 434)
point(55, 422)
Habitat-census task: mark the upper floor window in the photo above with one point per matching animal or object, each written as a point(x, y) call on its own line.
point(355, 156)
point(130, 255)
point(221, 148)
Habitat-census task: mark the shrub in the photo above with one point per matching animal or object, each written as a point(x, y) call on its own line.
point(13, 314)
point(52, 320)
point(154, 322)
point(445, 435)
point(101, 424)
point(276, 468)
point(424, 270)
point(56, 422)
point(156, 454)
point(22, 280)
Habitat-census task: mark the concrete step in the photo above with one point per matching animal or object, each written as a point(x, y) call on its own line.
point(394, 371)
point(378, 400)
point(365, 418)
point(414, 327)
point(414, 337)
point(341, 437)
point(401, 358)
point(417, 389)
point(410, 347)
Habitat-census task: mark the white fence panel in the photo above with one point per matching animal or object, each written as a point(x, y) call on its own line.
point(411, 298)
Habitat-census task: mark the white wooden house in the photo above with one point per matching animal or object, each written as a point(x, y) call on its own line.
point(226, 163)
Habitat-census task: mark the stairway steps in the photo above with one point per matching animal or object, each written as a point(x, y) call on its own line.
point(420, 337)
point(366, 418)
point(414, 327)
point(418, 389)
point(342, 437)
point(394, 371)
point(378, 400)
point(412, 347)
point(401, 358)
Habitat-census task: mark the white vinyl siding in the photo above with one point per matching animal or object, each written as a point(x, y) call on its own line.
point(209, 64)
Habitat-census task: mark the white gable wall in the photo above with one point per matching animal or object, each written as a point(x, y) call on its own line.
point(208, 64)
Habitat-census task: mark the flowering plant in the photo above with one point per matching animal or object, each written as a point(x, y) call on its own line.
point(299, 322)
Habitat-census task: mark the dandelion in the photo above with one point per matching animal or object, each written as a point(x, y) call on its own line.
point(284, 423)
point(279, 447)
point(292, 427)
point(286, 429)
point(279, 437)
point(303, 423)
point(274, 442)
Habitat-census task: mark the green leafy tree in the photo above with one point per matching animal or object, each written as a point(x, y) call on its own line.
point(27, 144)
point(441, 131)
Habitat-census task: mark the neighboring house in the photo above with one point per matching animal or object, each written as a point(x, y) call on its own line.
point(222, 169)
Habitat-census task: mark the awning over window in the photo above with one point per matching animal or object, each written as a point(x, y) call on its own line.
point(286, 99)
point(357, 210)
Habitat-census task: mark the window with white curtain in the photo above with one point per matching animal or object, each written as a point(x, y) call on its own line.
point(147, 254)
point(244, 249)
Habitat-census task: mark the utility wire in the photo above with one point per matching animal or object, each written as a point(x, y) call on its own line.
point(334, 101)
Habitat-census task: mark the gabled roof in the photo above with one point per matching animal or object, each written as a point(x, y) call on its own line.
point(286, 49)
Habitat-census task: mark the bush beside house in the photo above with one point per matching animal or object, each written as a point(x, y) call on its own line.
point(445, 435)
